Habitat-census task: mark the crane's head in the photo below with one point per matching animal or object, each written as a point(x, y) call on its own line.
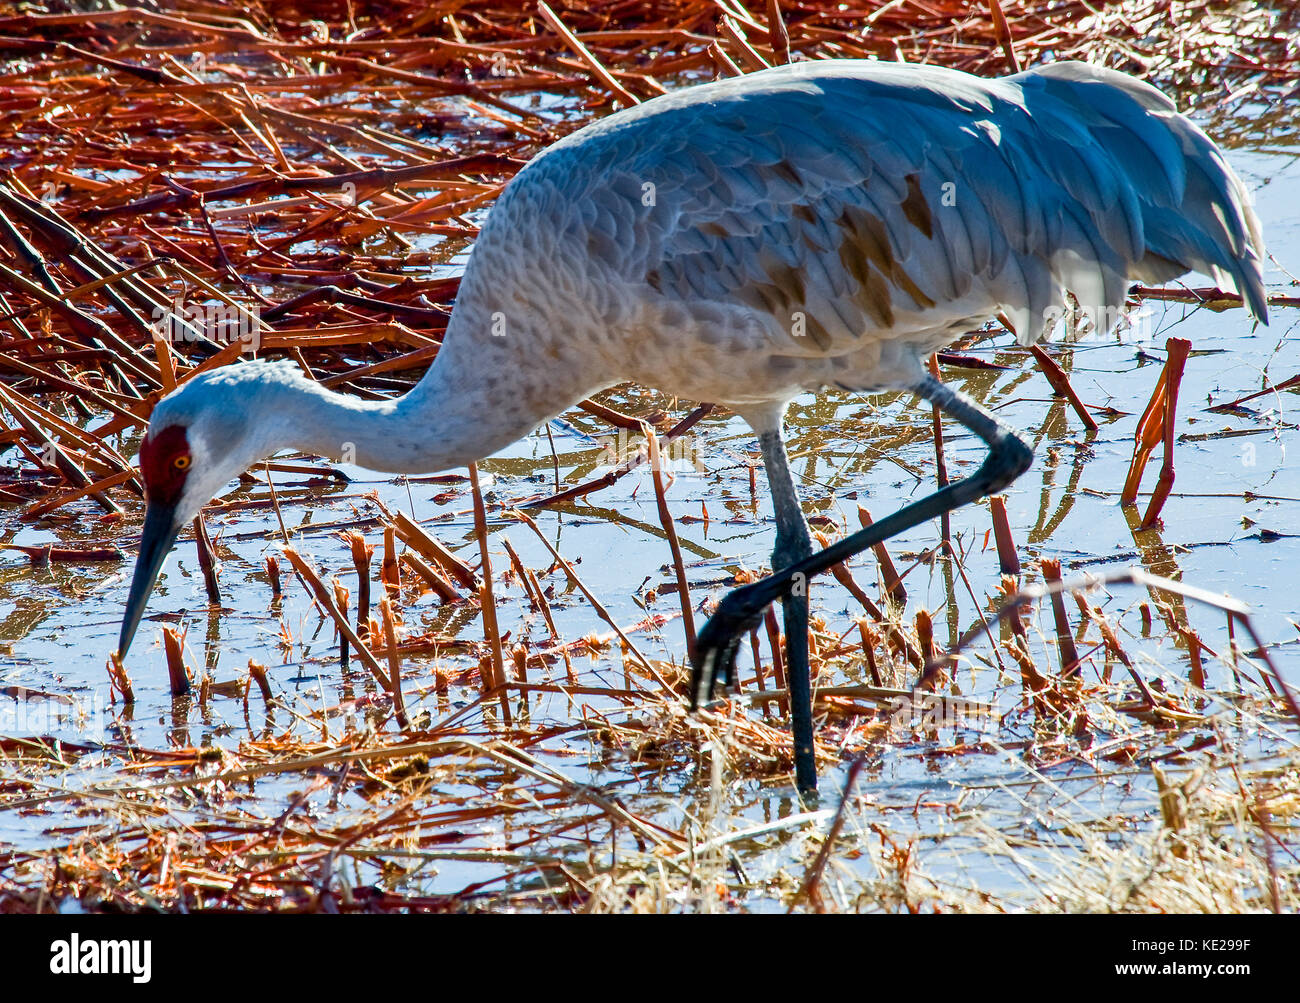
point(200, 437)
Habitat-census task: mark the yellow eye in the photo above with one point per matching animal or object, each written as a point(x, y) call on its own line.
point(181, 463)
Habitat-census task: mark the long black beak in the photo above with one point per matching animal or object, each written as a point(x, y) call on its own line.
point(160, 531)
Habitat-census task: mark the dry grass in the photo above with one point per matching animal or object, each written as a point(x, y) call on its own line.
point(1102, 800)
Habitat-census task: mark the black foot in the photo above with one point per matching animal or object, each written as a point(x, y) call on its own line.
point(718, 641)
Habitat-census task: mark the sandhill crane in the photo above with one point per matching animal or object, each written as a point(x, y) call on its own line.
point(824, 224)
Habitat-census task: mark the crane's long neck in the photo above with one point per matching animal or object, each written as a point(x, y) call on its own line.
point(450, 419)
point(501, 372)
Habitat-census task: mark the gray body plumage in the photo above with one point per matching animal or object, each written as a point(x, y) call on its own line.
point(830, 223)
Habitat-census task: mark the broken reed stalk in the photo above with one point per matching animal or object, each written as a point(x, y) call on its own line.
point(1111, 641)
point(341, 601)
point(433, 578)
point(1010, 586)
point(1032, 682)
point(416, 537)
point(273, 573)
point(1149, 432)
point(487, 600)
point(389, 573)
point(670, 531)
point(1002, 32)
point(1196, 670)
point(979, 611)
point(177, 674)
point(1270, 389)
point(118, 680)
point(747, 53)
point(758, 663)
point(940, 464)
point(777, 35)
point(894, 587)
point(1179, 348)
point(207, 561)
point(925, 634)
point(163, 352)
point(275, 502)
point(596, 66)
point(869, 640)
point(307, 575)
point(521, 573)
point(546, 606)
point(362, 554)
point(778, 657)
point(257, 674)
point(1064, 635)
point(1060, 382)
point(1094, 615)
point(533, 589)
point(42, 557)
point(609, 414)
point(1008, 559)
point(394, 663)
point(932, 661)
point(519, 658)
point(845, 577)
point(1157, 425)
point(1173, 808)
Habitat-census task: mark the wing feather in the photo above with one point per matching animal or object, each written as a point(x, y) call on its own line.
point(889, 201)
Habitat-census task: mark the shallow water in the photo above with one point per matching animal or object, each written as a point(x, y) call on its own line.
point(1237, 476)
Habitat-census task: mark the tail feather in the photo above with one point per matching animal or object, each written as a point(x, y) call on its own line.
point(1196, 213)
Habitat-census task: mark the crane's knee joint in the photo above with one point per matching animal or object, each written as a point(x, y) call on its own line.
point(785, 554)
point(792, 546)
point(1009, 457)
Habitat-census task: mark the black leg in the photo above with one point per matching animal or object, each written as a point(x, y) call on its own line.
point(792, 547)
point(742, 610)
point(798, 675)
point(793, 544)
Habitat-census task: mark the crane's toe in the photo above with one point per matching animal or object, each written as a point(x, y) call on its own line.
point(719, 640)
